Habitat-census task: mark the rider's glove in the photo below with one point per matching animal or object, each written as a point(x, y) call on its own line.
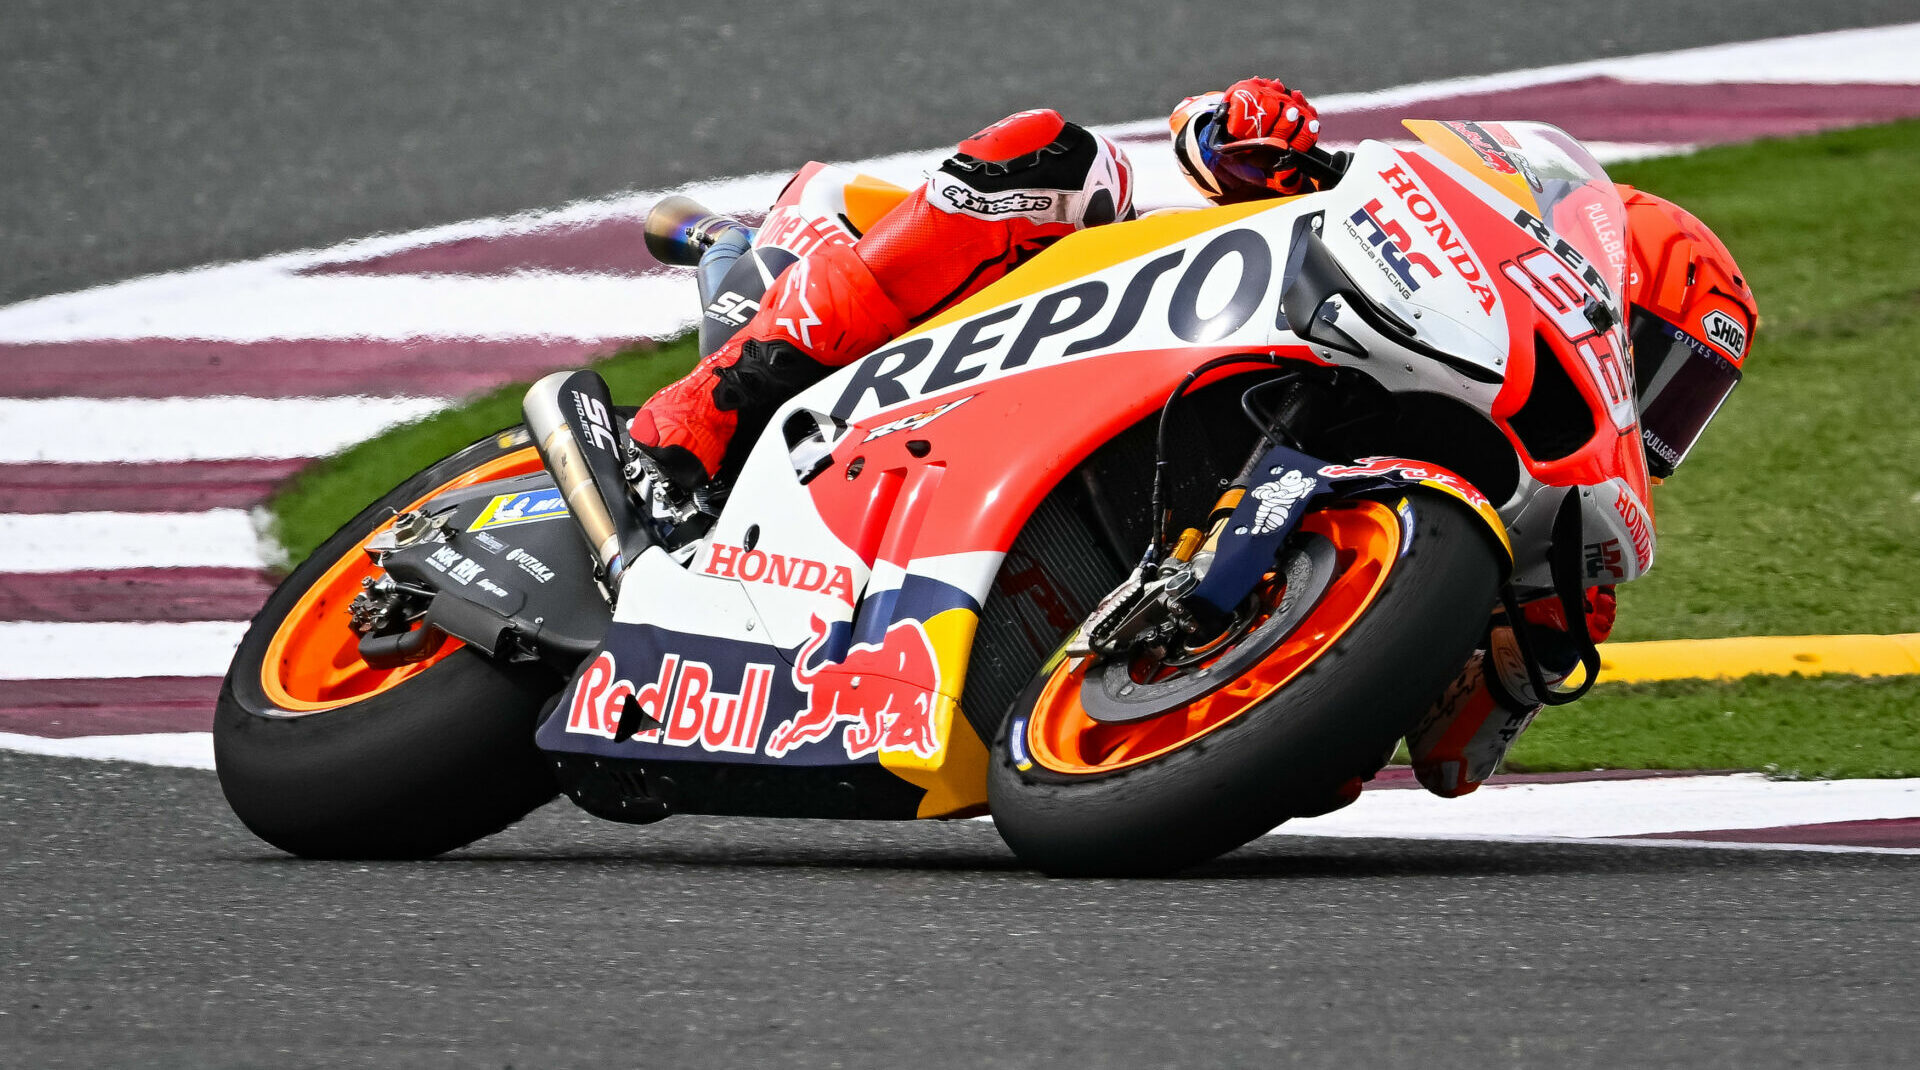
point(1262, 125)
point(1262, 111)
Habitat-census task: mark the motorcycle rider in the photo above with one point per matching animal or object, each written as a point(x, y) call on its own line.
point(1006, 193)
point(1019, 185)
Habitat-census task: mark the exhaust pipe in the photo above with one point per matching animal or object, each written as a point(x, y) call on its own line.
point(571, 417)
point(680, 229)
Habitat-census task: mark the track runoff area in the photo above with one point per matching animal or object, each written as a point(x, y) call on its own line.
point(141, 423)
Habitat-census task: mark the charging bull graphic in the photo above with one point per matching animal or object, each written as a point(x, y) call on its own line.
point(885, 695)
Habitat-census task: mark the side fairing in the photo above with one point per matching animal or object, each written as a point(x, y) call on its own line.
point(829, 619)
point(1567, 245)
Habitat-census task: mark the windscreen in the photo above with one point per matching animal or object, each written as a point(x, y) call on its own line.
point(1545, 171)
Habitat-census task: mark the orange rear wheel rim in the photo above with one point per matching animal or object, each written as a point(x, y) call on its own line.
point(313, 661)
point(1061, 737)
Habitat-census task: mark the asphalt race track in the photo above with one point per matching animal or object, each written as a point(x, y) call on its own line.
point(140, 925)
point(144, 929)
point(143, 137)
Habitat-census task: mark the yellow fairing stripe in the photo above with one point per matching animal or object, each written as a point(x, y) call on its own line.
point(1450, 145)
point(1087, 251)
point(869, 198)
point(955, 778)
point(1480, 509)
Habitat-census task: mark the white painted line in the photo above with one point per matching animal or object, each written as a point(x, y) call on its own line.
point(266, 298)
point(36, 650)
point(1612, 152)
point(66, 542)
point(1875, 54)
point(109, 430)
point(1879, 55)
point(267, 301)
point(1619, 807)
point(1611, 841)
point(268, 305)
point(187, 750)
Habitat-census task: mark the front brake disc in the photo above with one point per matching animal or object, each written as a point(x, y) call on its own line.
point(1111, 695)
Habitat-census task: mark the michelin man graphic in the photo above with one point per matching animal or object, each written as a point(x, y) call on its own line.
point(1277, 497)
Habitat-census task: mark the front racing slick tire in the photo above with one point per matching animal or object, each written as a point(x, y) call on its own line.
point(1318, 701)
point(324, 756)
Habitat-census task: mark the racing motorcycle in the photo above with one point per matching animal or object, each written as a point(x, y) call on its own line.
point(1160, 541)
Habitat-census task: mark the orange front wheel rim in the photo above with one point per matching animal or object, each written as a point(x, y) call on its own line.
point(313, 662)
point(1063, 738)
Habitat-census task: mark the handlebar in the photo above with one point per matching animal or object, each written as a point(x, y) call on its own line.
point(1271, 155)
point(1325, 168)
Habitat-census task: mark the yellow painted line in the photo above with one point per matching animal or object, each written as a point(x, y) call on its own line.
point(1809, 655)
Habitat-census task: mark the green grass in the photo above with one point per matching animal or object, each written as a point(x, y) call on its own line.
point(1824, 727)
point(311, 505)
point(1799, 513)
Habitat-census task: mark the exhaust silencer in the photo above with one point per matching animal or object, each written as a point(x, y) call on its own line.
point(571, 417)
point(679, 229)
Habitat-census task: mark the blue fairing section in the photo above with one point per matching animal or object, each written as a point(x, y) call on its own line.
point(919, 598)
point(1280, 490)
point(718, 699)
point(724, 700)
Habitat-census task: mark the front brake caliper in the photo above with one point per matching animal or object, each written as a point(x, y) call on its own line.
point(1136, 611)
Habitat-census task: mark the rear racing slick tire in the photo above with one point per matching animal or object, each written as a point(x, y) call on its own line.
point(325, 756)
point(1316, 704)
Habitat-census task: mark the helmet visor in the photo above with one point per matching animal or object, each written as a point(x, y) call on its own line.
point(1681, 382)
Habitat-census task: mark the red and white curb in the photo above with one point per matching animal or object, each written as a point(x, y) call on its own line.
point(141, 422)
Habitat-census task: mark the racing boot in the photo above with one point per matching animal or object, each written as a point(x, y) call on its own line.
point(1466, 734)
point(823, 312)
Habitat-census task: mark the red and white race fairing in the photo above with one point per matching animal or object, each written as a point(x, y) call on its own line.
point(1162, 539)
point(826, 628)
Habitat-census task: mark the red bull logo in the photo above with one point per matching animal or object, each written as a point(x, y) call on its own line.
point(1405, 469)
point(881, 698)
point(682, 698)
point(1483, 146)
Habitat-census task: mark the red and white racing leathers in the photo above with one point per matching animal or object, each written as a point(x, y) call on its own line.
point(1005, 194)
